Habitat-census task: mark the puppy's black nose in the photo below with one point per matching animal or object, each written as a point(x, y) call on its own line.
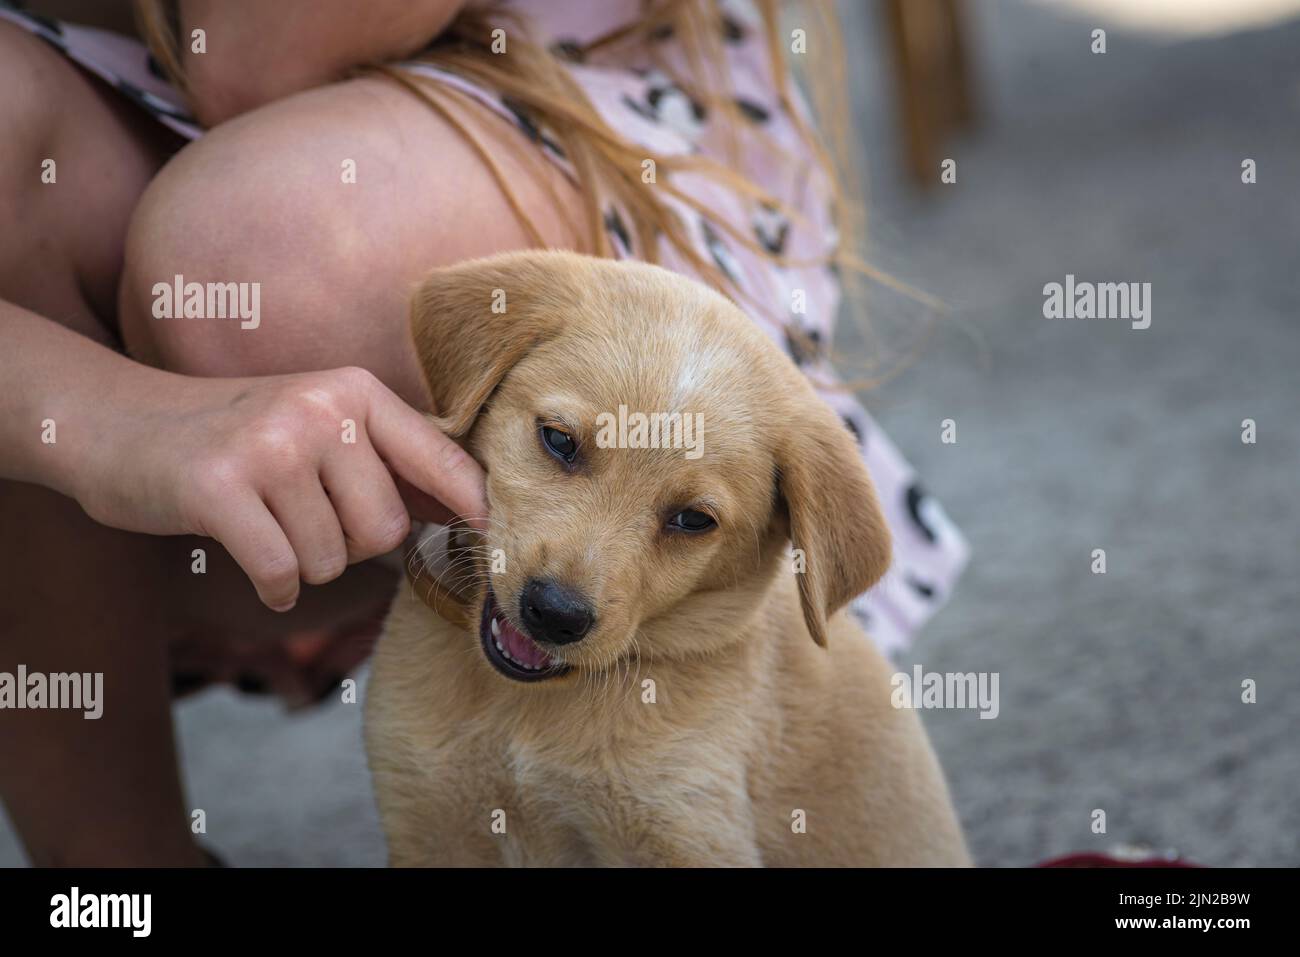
point(553, 612)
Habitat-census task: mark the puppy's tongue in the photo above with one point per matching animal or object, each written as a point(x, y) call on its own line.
point(518, 645)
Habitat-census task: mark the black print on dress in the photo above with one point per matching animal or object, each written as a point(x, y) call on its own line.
point(755, 112)
point(640, 109)
point(676, 109)
point(739, 18)
point(663, 98)
point(667, 104)
point(614, 223)
point(530, 128)
point(569, 49)
point(804, 345)
point(856, 429)
point(722, 257)
point(916, 502)
point(771, 229)
point(923, 589)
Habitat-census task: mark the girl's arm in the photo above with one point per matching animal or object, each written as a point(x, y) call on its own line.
point(293, 474)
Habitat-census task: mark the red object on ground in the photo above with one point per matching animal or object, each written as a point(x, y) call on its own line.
point(1106, 860)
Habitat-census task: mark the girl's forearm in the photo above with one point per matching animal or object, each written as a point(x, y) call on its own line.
point(58, 391)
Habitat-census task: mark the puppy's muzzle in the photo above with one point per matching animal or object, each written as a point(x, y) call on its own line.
point(554, 613)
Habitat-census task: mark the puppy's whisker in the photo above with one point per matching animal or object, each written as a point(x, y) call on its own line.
point(460, 561)
point(460, 524)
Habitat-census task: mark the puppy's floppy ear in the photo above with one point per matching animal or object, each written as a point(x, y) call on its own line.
point(833, 513)
point(473, 321)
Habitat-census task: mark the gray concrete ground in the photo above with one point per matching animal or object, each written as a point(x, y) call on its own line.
point(1120, 692)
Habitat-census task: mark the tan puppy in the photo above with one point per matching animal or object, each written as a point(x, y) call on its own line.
point(643, 677)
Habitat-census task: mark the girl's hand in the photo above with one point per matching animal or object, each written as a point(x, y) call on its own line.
point(296, 475)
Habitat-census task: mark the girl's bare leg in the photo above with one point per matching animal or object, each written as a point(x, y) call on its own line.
point(76, 597)
point(88, 792)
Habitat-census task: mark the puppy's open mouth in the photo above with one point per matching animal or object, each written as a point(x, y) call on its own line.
point(512, 652)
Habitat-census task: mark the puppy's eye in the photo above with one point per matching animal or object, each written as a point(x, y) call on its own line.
point(691, 521)
point(560, 444)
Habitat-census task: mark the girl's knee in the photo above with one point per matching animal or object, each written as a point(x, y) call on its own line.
point(222, 260)
point(328, 206)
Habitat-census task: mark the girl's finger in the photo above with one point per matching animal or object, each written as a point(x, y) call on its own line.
point(369, 508)
point(310, 523)
point(421, 454)
point(248, 530)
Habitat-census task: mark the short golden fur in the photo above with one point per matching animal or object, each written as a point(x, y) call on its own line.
point(771, 739)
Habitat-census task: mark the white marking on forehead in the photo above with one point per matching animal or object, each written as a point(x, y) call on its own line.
point(692, 372)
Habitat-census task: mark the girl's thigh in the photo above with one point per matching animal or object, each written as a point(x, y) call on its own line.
point(329, 206)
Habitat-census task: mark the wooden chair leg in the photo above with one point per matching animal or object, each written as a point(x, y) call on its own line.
point(960, 82)
point(918, 133)
point(932, 72)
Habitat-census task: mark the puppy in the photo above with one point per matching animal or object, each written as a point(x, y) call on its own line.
point(650, 669)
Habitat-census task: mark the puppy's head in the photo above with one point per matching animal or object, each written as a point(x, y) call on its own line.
point(650, 456)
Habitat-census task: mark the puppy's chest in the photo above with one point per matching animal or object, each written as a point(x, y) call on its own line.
point(558, 796)
point(555, 809)
point(555, 815)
